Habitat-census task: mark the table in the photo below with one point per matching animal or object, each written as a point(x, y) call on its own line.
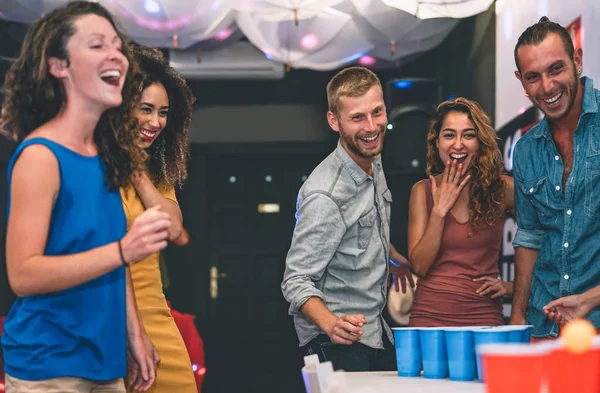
point(390, 382)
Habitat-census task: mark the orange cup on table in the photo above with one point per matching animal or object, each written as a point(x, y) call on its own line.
point(514, 367)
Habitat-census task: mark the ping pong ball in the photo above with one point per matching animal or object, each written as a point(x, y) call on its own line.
point(578, 335)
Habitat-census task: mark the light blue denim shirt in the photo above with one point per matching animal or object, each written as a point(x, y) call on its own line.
point(340, 247)
point(565, 227)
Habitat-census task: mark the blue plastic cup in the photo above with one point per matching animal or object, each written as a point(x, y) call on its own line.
point(433, 352)
point(460, 347)
point(518, 333)
point(408, 351)
point(490, 335)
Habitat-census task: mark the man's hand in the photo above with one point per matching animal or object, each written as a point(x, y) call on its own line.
point(567, 308)
point(347, 329)
point(400, 271)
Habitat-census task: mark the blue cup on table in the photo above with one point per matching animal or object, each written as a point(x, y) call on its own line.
point(488, 335)
point(408, 351)
point(519, 333)
point(460, 347)
point(433, 352)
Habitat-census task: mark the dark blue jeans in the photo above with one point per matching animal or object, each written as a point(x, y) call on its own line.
point(353, 357)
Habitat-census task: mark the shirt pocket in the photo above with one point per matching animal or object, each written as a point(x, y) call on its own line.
point(365, 228)
point(536, 194)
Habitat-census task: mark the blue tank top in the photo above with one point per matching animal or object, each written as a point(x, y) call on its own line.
point(79, 332)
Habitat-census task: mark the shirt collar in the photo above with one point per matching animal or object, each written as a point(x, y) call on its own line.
point(356, 172)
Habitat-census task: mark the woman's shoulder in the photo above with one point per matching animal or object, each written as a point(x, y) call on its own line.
point(420, 186)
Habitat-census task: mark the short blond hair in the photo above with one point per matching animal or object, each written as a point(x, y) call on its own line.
point(350, 82)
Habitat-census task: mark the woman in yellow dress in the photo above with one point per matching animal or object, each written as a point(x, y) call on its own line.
point(163, 114)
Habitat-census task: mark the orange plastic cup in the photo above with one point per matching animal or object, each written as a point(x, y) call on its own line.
point(513, 367)
point(573, 373)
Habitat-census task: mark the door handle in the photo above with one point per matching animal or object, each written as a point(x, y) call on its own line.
point(214, 281)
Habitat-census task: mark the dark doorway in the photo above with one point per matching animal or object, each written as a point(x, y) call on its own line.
point(239, 207)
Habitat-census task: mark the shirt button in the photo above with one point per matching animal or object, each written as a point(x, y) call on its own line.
point(556, 158)
point(566, 277)
point(531, 189)
point(557, 188)
point(569, 212)
point(566, 245)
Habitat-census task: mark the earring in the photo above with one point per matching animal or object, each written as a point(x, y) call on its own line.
point(526, 95)
point(579, 70)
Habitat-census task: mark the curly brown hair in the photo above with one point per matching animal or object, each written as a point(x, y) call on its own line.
point(32, 96)
point(486, 199)
point(168, 155)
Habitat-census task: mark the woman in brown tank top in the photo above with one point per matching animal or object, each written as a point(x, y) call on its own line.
point(455, 221)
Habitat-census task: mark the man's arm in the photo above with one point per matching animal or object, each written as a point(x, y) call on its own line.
point(344, 330)
point(527, 242)
point(567, 308)
point(319, 231)
point(524, 262)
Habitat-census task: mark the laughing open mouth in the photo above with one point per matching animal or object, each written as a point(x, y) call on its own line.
point(460, 158)
point(370, 140)
point(148, 135)
point(112, 77)
point(553, 101)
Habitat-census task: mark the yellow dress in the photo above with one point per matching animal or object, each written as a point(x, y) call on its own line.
point(174, 372)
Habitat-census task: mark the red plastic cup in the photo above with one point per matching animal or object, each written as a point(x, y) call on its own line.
point(513, 367)
point(573, 373)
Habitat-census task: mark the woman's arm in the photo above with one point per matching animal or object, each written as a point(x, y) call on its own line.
point(151, 196)
point(509, 195)
point(424, 231)
point(35, 182)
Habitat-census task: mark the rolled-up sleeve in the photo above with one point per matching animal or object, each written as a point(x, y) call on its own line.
point(319, 230)
point(530, 233)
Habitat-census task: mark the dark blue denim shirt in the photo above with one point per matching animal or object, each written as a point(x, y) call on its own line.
point(562, 224)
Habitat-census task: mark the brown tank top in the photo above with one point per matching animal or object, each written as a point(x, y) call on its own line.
point(446, 296)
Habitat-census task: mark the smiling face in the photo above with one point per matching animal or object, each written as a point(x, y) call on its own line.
point(96, 69)
point(458, 140)
point(152, 113)
point(549, 76)
point(361, 123)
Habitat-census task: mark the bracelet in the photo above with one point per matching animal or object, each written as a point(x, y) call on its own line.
point(394, 263)
point(123, 261)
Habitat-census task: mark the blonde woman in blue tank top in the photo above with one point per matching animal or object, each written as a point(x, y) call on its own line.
point(67, 246)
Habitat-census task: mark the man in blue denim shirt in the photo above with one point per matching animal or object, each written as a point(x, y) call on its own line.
point(337, 265)
point(557, 186)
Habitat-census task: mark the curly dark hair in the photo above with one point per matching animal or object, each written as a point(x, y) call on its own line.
point(32, 96)
point(486, 199)
point(168, 154)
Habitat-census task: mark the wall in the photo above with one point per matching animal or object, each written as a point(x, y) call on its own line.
point(259, 123)
point(512, 18)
